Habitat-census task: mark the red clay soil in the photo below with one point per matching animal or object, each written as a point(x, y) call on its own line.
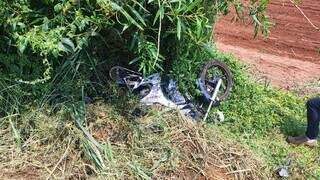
point(290, 56)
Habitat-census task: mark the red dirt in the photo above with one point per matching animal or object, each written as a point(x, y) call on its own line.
point(290, 56)
point(214, 173)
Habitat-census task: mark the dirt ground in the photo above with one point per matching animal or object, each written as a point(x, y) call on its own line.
point(290, 56)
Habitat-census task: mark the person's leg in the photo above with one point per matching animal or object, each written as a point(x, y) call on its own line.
point(313, 115)
point(313, 111)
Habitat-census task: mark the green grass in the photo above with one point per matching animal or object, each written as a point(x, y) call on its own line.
point(261, 117)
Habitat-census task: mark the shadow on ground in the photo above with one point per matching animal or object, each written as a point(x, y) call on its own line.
point(293, 127)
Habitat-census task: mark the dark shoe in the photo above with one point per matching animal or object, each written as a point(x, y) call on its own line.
point(302, 140)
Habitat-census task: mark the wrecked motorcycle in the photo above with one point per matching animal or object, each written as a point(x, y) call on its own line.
point(215, 83)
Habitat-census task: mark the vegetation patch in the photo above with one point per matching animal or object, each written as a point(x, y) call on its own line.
point(55, 56)
point(261, 117)
point(160, 144)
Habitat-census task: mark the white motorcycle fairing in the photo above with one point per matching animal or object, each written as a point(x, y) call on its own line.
point(156, 95)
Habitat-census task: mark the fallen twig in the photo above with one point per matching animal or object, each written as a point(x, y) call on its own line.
point(238, 171)
point(60, 160)
point(314, 26)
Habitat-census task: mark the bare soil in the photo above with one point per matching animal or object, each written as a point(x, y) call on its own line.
point(290, 56)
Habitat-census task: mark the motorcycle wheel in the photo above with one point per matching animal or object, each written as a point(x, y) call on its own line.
point(209, 76)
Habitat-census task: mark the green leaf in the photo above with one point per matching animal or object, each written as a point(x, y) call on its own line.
point(125, 27)
point(159, 15)
point(161, 11)
point(194, 4)
point(178, 28)
point(199, 27)
point(126, 14)
point(134, 60)
point(67, 45)
point(174, 1)
point(58, 7)
point(137, 15)
point(115, 6)
point(22, 45)
point(156, 17)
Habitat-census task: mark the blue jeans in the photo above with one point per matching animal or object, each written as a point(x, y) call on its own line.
point(313, 115)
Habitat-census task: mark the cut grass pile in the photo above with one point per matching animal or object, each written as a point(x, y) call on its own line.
point(162, 144)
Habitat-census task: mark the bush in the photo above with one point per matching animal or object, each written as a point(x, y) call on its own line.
point(83, 37)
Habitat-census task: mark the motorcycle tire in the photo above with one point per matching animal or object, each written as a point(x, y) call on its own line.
point(207, 83)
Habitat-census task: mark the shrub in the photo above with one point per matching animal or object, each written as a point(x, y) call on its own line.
point(61, 46)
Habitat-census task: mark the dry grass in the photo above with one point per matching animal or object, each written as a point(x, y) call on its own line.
point(49, 151)
point(162, 144)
